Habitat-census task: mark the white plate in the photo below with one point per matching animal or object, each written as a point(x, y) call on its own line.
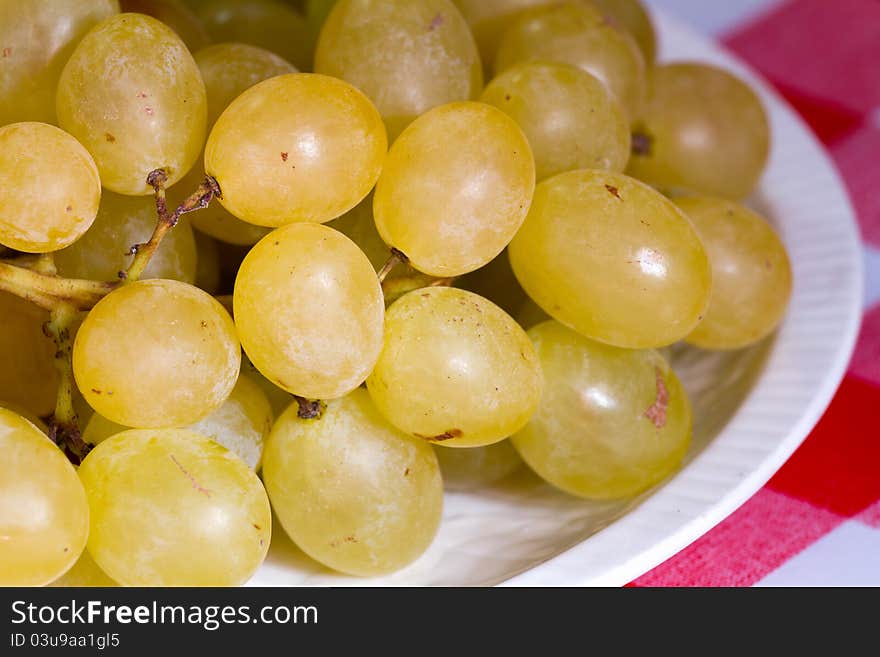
point(752, 408)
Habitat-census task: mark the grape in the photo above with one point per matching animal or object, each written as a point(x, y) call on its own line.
point(578, 34)
point(455, 188)
point(84, 573)
point(751, 273)
point(262, 23)
point(570, 118)
point(612, 421)
point(296, 147)
point(36, 39)
point(175, 15)
point(350, 490)
point(489, 19)
point(406, 56)
point(228, 69)
point(530, 314)
point(208, 263)
point(702, 130)
point(172, 508)
point(475, 467)
point(309, 310)
point(122, 222)
point(156, 353)
point(44, 518)
point(632, 16)
point(357, 224)
point(132, 94)
point(49, 188)
point(455, 369)
point(241, 423)
point(279, 399)
point(613, 259)
point(496, 282)
point(27, 377)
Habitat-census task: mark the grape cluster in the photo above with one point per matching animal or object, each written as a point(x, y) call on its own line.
point(315, 263)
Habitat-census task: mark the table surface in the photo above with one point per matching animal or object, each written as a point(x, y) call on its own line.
point(817, 521)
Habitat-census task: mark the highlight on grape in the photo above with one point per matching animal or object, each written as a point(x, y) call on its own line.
point(304, 274)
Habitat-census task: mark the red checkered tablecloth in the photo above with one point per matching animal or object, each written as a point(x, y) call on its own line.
point(817, 521)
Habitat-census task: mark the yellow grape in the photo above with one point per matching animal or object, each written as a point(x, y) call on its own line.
point(751, 273)
point(455, 188)
point(84, 573)
point(36, 39)
point(613, 259)
point(476, 467)
point(489, 19)
point(49, 188)
point(175, 15)
point(207, 263)
point(612, 421)
point(44, 518)
point(309, 311)
point(351, 491)
point(570, 118)
point(577, 33)
point(703, 130)
point(122, 222)
point(172, 508)
point(263, 23)
point(241, 423)
point(228, 69)
point(27, 376)
point(296, 147)
point(634, 18)
point(141, 69)
point(455, 369)
point(406, 56)
point(157, 353)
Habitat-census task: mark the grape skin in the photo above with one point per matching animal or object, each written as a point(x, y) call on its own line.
point(612, 422)
point(476, 467)
point(350, 490)
point(50, 188)
point(44, 517)
point(172, 508)
point(157, 340)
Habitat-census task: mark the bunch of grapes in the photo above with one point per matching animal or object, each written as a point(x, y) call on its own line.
point(315, 263)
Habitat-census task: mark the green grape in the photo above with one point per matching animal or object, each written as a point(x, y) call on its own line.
point(241, 423)
point(141, 69)
point(175, 15)
point(612, 422)
point(309, 311)
point(489, 20)
point(703, 130)
point(455, 369)
point(406, 56)
point(316, 12)
point(279, 399)
point(44, 517)
point(208, 263)
point(495, 281)
point(350, 490)
point(633, 17)
point(122, 222)
point(296, 147)
point(172, 508)
point(468, 469)
point(455, 188)
point(49, 188)
point(84, 573)
point(613, 259)
point(36, 39)
point(751, 273)
point(156, 353)
point(577, 33)
point(30, 416)
point(228, 69)
point(570, 118)
point(263, 23)
point(27, 377)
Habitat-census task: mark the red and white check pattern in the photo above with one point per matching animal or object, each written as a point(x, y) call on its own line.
point(817, 521)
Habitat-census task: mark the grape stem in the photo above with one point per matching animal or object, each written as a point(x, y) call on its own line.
point(310, 409)
point(48, 290)
point(396, 258)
